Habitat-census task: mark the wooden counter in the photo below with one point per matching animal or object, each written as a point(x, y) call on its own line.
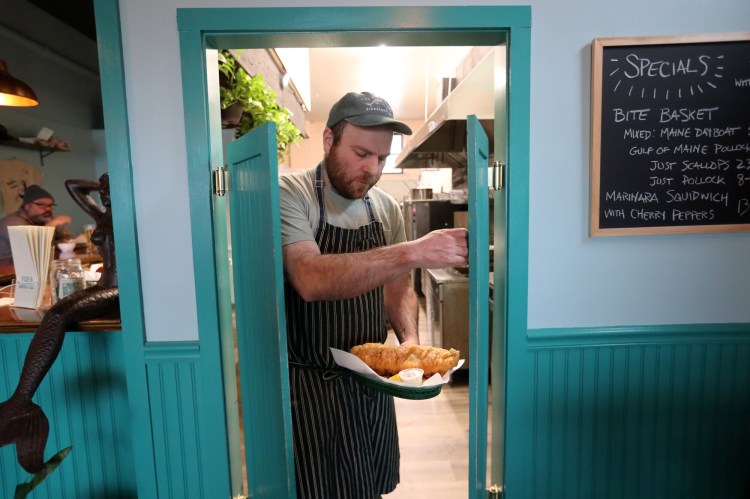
point(26, 320)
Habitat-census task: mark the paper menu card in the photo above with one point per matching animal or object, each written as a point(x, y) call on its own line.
point(32, 252)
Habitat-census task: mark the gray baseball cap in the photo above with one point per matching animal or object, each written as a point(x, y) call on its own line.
point(365, 109)
point(35, 193)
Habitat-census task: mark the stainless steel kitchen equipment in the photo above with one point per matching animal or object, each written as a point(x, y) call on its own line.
point(442, 138)
point(423, 216)
point(421, 193)
point(447, 303)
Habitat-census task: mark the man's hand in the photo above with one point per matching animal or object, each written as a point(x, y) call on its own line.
point(442, 248)
point(59, 220)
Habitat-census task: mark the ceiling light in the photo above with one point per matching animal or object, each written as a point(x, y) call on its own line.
point(14, 92)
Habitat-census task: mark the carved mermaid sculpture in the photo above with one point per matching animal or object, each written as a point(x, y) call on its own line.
point(22, 421)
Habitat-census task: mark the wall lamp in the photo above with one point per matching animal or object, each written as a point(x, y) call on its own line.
point(14, 92)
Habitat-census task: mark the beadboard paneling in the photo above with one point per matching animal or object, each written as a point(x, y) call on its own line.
point(172, 391)
point(640, 420)
point(84, 396)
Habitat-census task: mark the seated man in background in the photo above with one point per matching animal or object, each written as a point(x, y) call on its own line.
point(36, 209)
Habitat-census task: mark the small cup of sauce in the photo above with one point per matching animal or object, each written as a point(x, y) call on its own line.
point(411, 376)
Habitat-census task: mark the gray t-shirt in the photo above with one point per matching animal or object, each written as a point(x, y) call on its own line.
point(300, 213)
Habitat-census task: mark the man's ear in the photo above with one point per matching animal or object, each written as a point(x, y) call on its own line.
point(327, 140)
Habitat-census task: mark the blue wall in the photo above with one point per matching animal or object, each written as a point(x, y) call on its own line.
point(579, 281)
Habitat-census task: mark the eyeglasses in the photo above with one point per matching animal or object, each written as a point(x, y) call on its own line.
point(48, 206)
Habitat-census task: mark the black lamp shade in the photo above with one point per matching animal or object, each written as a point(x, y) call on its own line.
point(14, 92)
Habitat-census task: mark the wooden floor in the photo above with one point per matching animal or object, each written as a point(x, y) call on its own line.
point(433, 439)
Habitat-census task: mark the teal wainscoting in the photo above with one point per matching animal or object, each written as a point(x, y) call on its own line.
point(173, 391)
point(628, 412)
point(84, 396)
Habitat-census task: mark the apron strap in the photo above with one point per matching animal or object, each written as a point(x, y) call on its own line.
point(320, 185)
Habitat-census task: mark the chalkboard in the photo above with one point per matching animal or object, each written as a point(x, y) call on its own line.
point(670, 135)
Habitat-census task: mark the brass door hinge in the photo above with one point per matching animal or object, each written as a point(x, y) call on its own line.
point(220, 180)
point(496, 491)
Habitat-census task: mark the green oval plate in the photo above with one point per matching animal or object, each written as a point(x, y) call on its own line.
point(411, 393)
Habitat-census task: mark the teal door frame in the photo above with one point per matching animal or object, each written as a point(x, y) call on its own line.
point(122, 193)
point(204, 30)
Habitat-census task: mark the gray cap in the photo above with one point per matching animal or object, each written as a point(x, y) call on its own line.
point(34, 193)
point(365, 109)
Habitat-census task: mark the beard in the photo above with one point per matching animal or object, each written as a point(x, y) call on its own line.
point(41, 219)
point(344, 182)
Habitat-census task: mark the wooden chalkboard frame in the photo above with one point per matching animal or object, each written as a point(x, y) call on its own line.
point(598, 48)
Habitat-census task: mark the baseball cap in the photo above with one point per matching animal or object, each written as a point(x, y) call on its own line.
point(365, 109)
point(34, 193)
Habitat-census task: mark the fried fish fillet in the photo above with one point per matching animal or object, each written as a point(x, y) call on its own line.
point(387, 360)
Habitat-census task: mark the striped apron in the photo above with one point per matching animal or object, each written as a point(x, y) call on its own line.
point(345, 437)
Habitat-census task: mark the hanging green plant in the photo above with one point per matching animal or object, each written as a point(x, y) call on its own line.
point(258, 101)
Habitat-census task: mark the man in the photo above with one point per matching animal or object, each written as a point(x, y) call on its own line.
point(346, 266)
point(36, 209)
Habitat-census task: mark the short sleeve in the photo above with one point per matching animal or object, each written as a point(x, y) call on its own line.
point(294, 208)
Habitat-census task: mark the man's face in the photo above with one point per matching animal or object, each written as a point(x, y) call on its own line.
point(355, 164)
point(40, 211)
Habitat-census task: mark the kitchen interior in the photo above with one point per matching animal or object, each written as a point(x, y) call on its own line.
point(438, 150)
point(427, 174)
point(427, 171)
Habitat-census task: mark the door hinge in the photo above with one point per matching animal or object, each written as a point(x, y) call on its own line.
point(220, 180)
point(498, 174)
point(496, 491)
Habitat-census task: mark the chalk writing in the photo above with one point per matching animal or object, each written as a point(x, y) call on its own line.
point(642, 66)
point(675, 135)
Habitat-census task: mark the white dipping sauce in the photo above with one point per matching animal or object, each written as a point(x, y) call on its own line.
point(411, 376)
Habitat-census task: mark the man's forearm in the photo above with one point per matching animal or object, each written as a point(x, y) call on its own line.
point(402, 308)
point(345, 275)
point(318, 276)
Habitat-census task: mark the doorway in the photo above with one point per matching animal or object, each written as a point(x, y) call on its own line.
point(442, 468)
point(347, 27)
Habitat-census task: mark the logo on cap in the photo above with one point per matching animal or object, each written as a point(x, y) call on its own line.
point(365, 109)
point(375, 104)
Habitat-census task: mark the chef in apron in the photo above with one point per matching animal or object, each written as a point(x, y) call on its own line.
point(346, 268)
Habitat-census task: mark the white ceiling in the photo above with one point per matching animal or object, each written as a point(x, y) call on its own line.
point(407, 77)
